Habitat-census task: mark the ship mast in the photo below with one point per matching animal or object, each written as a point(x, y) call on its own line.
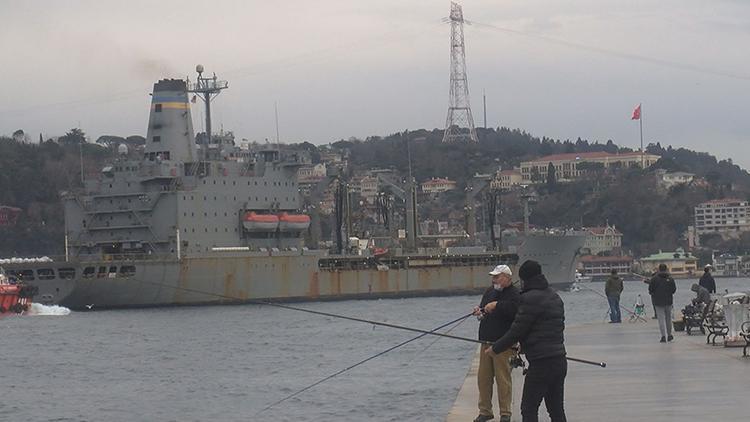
point(206, 88)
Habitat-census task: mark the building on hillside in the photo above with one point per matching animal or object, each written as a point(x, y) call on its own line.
point(726, 265)
point(327, 203)
point(600, 266)
point(9, 215)
point(667, 179)
point(506, 179)
point(679, 263)
point(311, 174)
point(333, 157)
point(368, 188)
point(438, 185)
point(602, 239)
point(727, 217)
point(567, 165)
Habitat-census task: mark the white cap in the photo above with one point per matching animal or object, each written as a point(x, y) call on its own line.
point(501, 269)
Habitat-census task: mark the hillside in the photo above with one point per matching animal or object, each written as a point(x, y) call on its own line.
point(33, 175)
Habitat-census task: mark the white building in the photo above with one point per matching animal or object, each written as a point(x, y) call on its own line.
point(311, 174)
point(567, 165)
point(602, 239)
point(677, 178)
point(438, 185)
point(506, 179)
point(727, 217)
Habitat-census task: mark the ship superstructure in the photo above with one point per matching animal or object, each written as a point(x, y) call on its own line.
point(202, 221)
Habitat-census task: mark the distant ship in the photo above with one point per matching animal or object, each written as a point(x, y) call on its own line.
point(190, 224)
point(556, 251)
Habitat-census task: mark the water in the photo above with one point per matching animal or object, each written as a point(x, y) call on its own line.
point(227, 363)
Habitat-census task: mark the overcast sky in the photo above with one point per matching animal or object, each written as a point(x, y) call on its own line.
point(341, 68)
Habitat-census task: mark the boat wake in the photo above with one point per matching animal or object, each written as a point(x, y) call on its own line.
point(37, 309)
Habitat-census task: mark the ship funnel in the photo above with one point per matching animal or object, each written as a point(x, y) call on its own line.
point(170, 125)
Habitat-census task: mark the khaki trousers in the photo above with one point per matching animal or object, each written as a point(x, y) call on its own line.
point(494, 368)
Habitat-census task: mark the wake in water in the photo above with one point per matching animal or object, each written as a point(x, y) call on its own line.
point(39, 309)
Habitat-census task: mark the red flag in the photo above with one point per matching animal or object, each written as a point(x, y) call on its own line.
point(636, 113)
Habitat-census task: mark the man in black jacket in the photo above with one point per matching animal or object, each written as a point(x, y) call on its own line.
point(539, 326)
point(497, 310)
point(707, 280)
point(662, 288)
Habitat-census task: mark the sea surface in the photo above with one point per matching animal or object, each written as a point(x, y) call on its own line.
point(228, 363)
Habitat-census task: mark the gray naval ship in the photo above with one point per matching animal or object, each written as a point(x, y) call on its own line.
point(208, 223)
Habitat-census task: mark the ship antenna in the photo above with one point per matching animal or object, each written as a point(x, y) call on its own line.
point(276, 114)
point(206, 88)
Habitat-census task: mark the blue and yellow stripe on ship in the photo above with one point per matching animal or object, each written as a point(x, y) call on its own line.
point(180, 103)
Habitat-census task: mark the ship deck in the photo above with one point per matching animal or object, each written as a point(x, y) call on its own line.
point(644, 379)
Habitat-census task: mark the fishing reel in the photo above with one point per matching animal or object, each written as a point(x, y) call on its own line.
point(517, 362)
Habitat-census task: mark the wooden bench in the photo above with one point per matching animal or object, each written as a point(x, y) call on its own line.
point(715, 324)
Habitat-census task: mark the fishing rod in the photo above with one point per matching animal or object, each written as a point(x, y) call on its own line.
point(350, 318)
point(432, 343)
point(590, 362)
point(321, 313)
point(622, 307)
point(403, 343)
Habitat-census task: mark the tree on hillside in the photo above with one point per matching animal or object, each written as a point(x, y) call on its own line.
point(551, 177)
point(74, 137)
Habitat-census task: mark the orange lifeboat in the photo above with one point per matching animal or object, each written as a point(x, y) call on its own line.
point(293, 222)
point(15, 298)
point(255, 222)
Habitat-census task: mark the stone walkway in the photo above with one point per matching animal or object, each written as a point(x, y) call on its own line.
point(644, 380)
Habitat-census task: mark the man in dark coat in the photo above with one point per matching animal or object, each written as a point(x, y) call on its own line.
point(539, 327)
point(613, 289)
point(497, 310)
point(707, 280)
point(662, 288)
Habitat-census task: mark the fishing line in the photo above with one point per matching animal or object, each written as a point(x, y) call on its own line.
point(310, 311)
point(328, 314)
point(462, 318)
point(432, 343)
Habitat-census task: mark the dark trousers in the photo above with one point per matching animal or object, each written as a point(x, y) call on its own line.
point(614, 308)
point(545, 380)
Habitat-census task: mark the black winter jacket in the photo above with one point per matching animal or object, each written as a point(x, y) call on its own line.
point(497, 322)
point(707, 281)
point(661, 288)
point(539, 323)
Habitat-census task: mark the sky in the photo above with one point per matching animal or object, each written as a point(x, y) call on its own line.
point(352, 68)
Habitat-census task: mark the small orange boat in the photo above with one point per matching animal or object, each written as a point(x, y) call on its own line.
point(15, 298)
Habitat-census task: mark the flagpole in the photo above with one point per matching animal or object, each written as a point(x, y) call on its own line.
point(640, 122)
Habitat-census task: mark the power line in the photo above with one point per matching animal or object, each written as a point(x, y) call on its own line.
point(616, 53)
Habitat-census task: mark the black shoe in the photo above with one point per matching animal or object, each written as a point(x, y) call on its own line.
point(670, 338)
point(483, 418)
point(663, 340)
point(505, 418)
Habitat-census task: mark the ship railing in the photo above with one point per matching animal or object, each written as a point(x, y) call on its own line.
point(97, 258)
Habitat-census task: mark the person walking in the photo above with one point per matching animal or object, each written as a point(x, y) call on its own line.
point(497, 311)
point(662, 288)
point(613, 289)
point(707, 280)
point(539, 327)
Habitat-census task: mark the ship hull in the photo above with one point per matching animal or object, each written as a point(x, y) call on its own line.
point(556, 253)
point(245, 279)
